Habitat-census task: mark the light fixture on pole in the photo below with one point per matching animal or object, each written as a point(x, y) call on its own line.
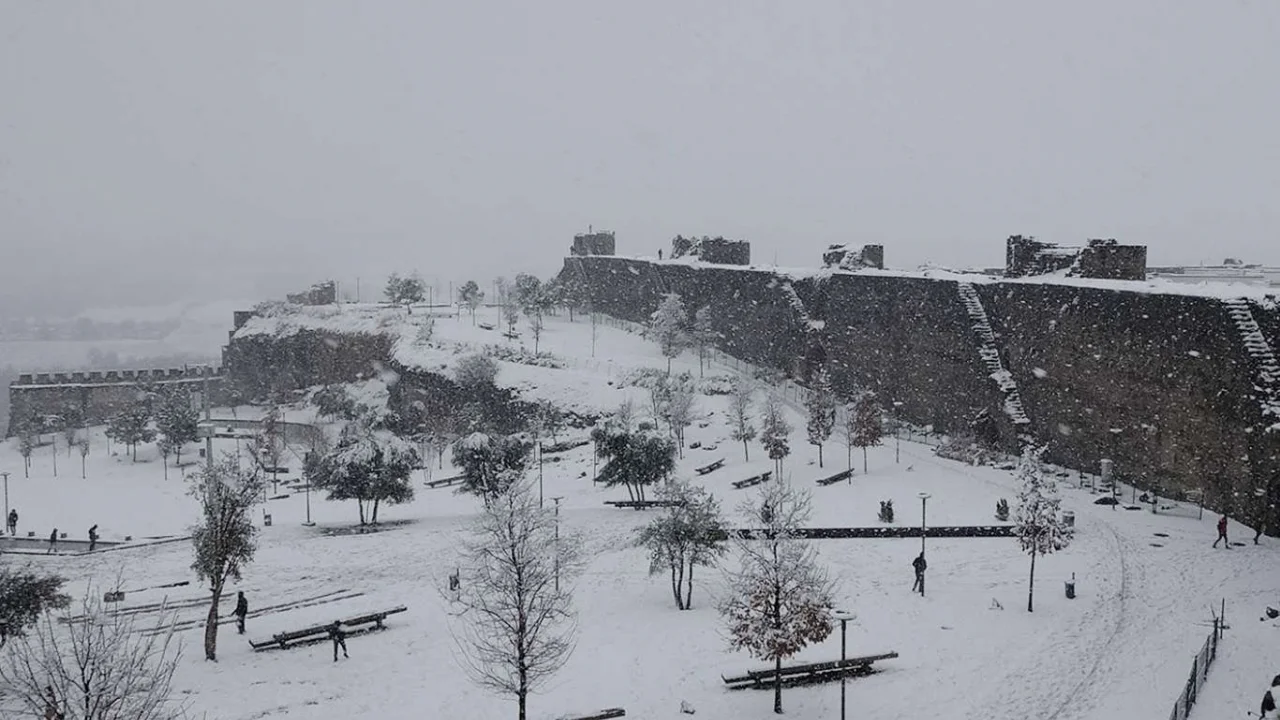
point(844, 617)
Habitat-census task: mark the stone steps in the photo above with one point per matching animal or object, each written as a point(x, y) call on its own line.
point(1257, 347)
point(990, 354)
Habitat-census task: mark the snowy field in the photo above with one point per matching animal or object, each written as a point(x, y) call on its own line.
point(1122, 649)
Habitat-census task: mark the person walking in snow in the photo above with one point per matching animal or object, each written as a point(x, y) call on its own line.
point(339, 639)
point(920, 565)
point(93, 538)
point(13, 521)
point(1222, 533)
point(242, 610)
point(1268, 710)
point(53, 541)
point(51, 711)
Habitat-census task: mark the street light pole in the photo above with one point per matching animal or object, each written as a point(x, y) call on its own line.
point(897, 433)
point(844, 618)
point(6, 496)
point(924, 499)
point(557, 502)
point(539, 473)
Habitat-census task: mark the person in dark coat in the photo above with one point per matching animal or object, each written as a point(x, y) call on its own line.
point(93, 538)
point(51, 711)
point(13, 521)
point(1222, 533)
point(53, 541)
point(1268, 710)
point(920, 565)
point(242, 610)
point(339, 639)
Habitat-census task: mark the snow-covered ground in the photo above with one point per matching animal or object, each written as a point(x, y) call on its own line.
point(1122, 649)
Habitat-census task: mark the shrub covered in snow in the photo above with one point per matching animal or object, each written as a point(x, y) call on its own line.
point(521, 356)
point(475, 370)
point(886, 511)
point(1002, 510)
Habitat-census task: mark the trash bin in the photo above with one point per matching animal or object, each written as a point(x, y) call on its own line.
point(1069, 518)
point(1071, 587)
point(266, 519)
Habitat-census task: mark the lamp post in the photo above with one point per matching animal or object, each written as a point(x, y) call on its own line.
point(539, 473)
point(897, 433)
point(557, 500)
point(844, 617)
point(6, 496)
point(924, 499)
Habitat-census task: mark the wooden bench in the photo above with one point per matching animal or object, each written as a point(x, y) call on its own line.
point(485, 326)
point(597, 715)
point(753, 480)
point(710, 468)
point(564, 446)
point(320, 633)
point(445, 482)
point(807, 672)
point(643, 504)
point(836, 478)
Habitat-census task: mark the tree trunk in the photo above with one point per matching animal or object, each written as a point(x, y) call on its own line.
point(178, 461)
point(165, 464)
point(864, 459)
point(374, 519)
point(360, 504)
point(1031, 586)
point(688, 589)
point(746, 453)
point(777, 685)
point(848, 453)
point(675, 587)
point(819, 455)
point(82, 472)
point(668, 366)
point(211, 625)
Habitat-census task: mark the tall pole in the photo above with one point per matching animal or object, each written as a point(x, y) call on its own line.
point(557, 501)
point(844, 618)
point(897, 433)
point(6, 496)
point(208, 438)
point(539, 473)
point(924, 499)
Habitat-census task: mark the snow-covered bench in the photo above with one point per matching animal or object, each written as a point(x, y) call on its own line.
point(753, 480)
point(712, 467)
point(807, 672)
point(597, 715)
point(319, 633)
point(844, 475)
point(445, 482)
point(642, 504)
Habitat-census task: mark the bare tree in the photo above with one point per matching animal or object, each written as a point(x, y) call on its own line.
point(84, 453)
point(689, 532)
point(779, 600)
point(225, 538)
point(820, 405)
point(99, 665)
point(681, 407)
point(516, 624)
point(775, 434)
point(741, 428)
point(848, 420)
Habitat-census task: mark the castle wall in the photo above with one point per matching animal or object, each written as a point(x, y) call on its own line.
point(260, 365)
point(1159, 383)
point(95, 396)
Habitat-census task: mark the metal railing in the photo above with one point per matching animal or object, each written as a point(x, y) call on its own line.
point(1199, 671)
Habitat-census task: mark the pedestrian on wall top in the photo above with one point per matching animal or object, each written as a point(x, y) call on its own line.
point(920, 566)
point(93, 538)
point(1222, 533)
point(339, 639)
point(53, 541)
point(13, 521)
point(242, 611)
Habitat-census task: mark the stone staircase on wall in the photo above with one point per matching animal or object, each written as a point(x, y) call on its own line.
point(991, 355)
point(1267, 383)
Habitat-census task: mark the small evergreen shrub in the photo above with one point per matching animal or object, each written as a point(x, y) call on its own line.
point(1002, 510)
point(886, 511)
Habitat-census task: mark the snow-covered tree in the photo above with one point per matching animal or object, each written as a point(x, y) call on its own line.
point(177, 420)
point(269, 443)
point(681, 407)
point(869, 422)
point(471, 296)
point(84, 454)
point(333, 402)
point(516, 626)
point(369, 464)
point(24, 596)
point(847, 418)
point(98, 665)
point(536, 326)
point(667, 326)
point(475, 371)
point(775, 432)
point(633, 458)
point(527, 290)
point(491, 465)
point(778, 600)
point(549, 418)
point(741, 428)
point(820, 404)
point(687, 534)
point(26, 446)
point(405, 290)
point(225, 539)
point(1037, 521)
point(703, 335)
point(131, 425)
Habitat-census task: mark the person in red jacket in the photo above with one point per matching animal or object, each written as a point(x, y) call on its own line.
point(1222, 533)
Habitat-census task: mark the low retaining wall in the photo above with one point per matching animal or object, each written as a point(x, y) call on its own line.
point(891, 531)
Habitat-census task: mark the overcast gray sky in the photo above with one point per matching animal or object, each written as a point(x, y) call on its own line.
point(203, 149)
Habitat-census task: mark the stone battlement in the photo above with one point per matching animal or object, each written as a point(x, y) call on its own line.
point(116, 377)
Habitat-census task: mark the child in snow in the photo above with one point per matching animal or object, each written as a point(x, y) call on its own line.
point(1268, 711)
point(1222, 533)
point(339, 639)
point(242, 610)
